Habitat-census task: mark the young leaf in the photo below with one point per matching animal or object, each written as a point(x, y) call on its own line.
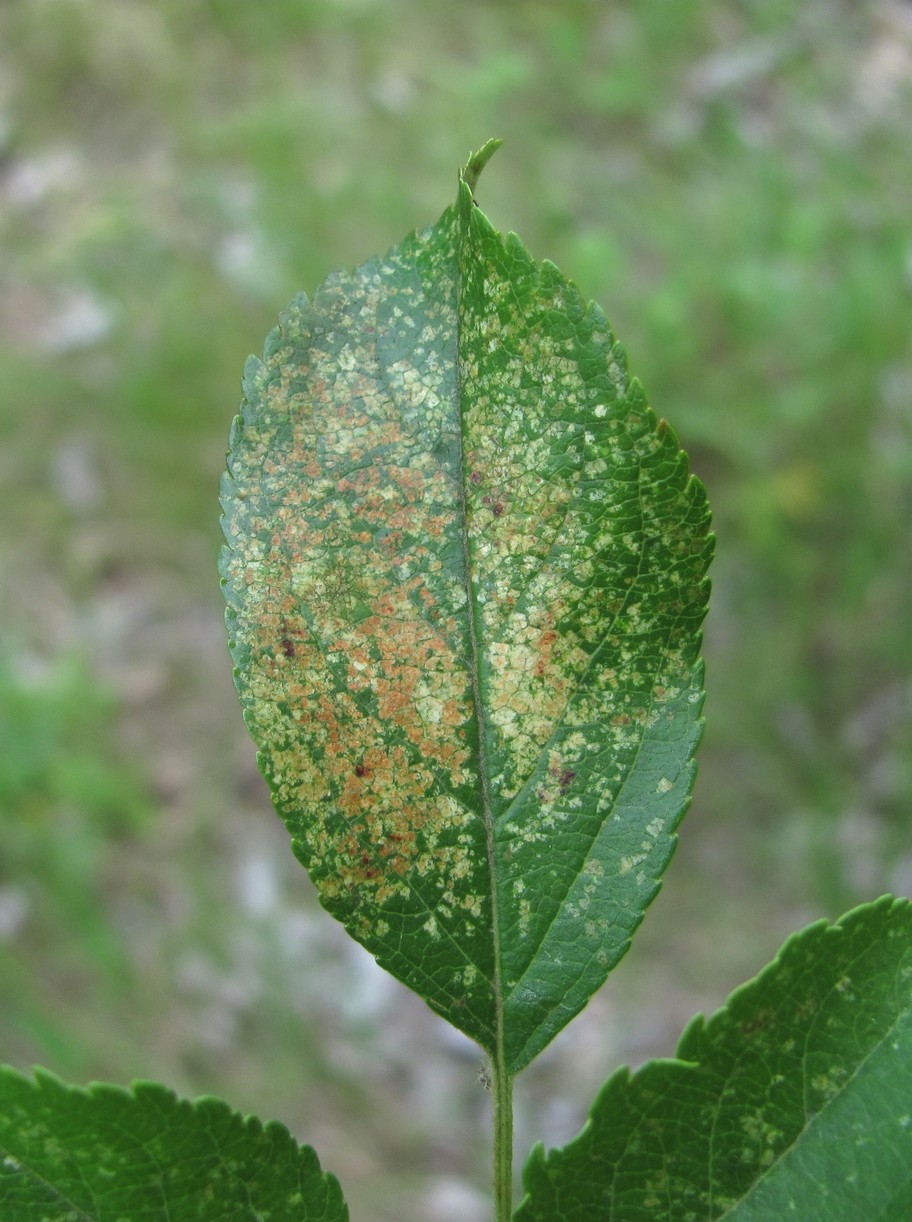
point(465, 574)
point(794, 1101)
point(106, 1154)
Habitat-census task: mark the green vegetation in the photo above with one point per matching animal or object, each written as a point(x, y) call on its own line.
point(730, 181)
point(465, 574)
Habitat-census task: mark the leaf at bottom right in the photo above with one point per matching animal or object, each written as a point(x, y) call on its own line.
point(794, 1101)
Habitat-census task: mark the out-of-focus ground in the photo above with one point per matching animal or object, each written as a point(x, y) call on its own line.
point(733, 182)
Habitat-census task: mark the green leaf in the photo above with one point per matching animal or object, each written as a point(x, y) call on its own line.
point(465, 573)
point(794, 1101)
point(109, 1154)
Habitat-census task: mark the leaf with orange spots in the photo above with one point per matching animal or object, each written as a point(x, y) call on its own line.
point(465, 573)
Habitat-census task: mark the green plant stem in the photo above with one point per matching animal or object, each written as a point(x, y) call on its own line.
point(502, 1089)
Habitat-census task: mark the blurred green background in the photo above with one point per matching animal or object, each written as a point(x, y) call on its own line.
point(733, 182)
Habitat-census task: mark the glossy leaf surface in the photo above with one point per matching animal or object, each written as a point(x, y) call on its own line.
point(106, 1154)
point(794, 1101)
point(465, 572)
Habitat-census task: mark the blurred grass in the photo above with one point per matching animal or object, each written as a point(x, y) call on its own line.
point(732, 182)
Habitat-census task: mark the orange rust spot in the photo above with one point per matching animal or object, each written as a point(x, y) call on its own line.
point(546, 643)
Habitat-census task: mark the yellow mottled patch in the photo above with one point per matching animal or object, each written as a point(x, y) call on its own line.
point(355, 676)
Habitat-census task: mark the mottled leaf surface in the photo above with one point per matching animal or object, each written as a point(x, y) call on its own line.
point(794, 1101)
point(465, 572)
point(106, 1154)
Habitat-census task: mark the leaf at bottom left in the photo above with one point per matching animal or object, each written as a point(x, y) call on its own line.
point(105, 1153)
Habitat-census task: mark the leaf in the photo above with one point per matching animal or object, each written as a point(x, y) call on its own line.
point(465, 573)
point(793, 1101)
point(109, 1154)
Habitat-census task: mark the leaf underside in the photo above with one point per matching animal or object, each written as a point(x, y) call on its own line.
point(107, 1154)
point(794, 1101)
point(465, 575)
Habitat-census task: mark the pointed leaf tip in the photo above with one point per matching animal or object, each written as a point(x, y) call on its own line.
point(471, 171)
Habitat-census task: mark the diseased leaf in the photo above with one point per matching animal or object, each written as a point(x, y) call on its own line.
point(465, 572)
point(106, 1154)
point(794, 1101)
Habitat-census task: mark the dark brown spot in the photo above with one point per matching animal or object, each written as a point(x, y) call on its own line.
point(497, 510)
point(360, 770)
point(288, 647)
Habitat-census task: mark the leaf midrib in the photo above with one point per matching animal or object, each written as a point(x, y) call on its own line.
point(499, 1053)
